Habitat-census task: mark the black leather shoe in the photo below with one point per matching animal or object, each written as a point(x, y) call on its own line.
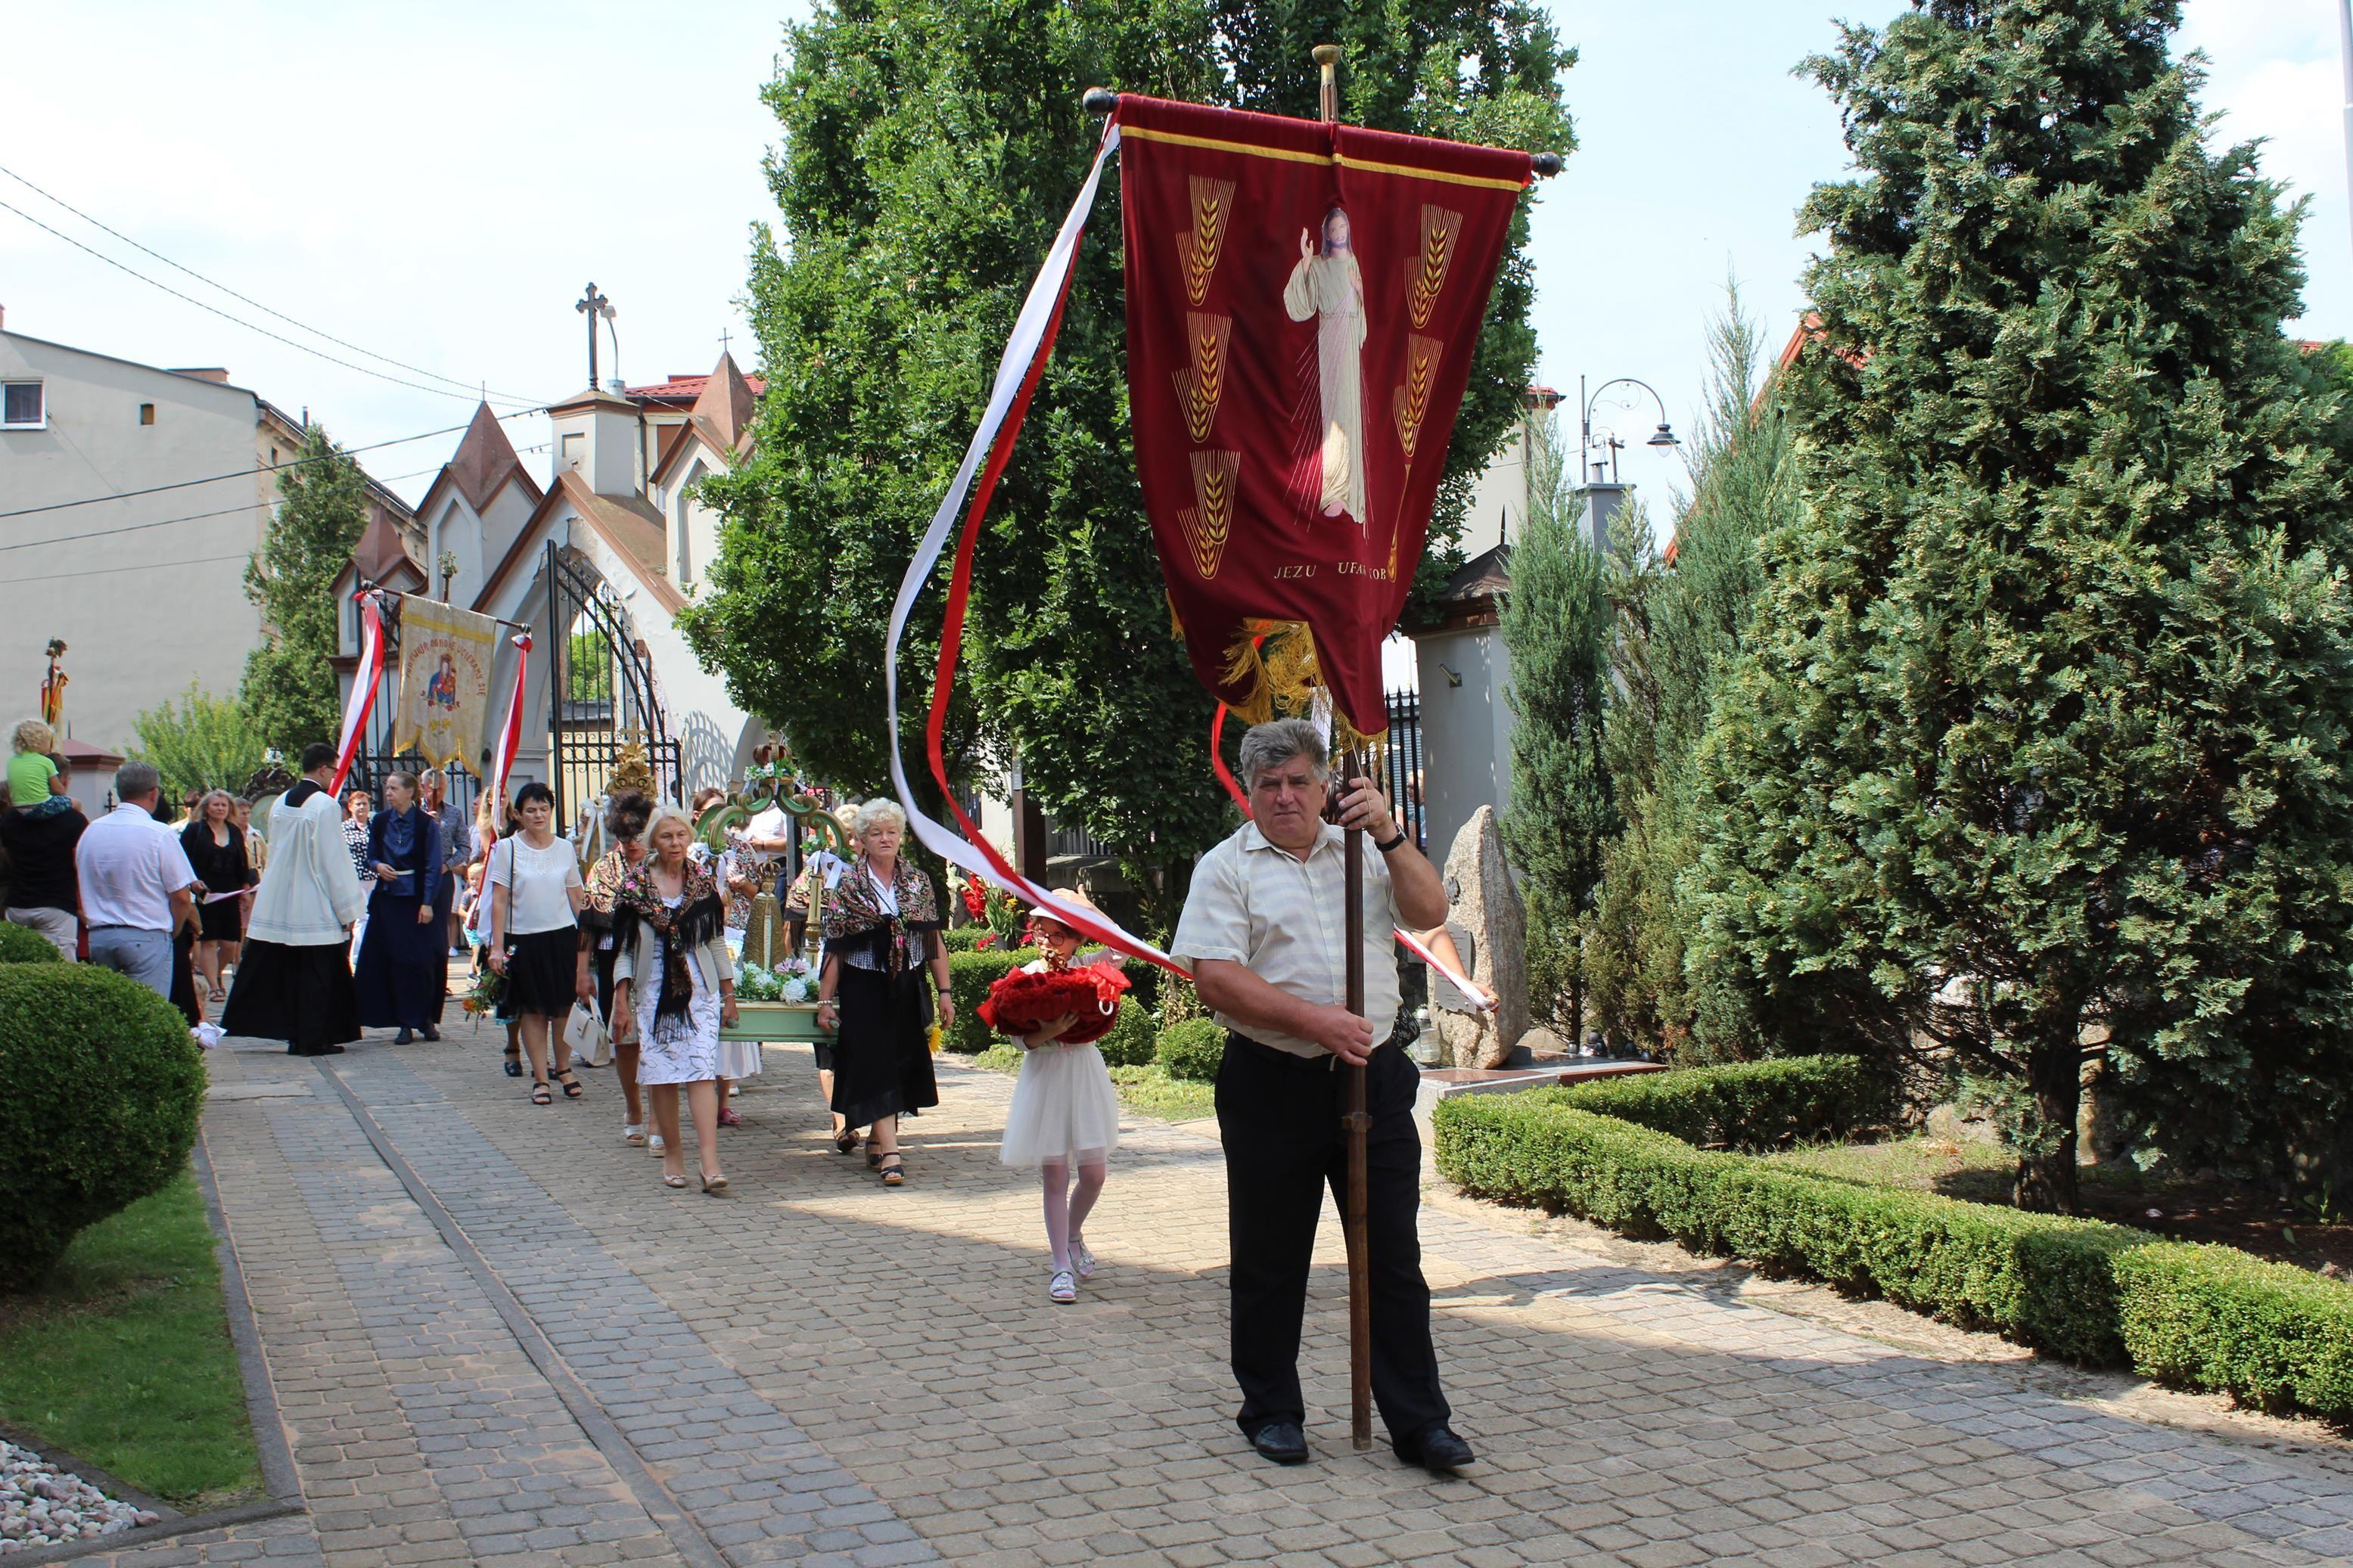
point(1438, 1450)
point(404, 1038)
point(1282, 1441)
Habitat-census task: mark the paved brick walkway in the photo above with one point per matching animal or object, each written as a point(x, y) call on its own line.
point(494, 1337)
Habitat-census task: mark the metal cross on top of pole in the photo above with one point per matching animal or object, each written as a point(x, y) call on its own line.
point(1356, 1118)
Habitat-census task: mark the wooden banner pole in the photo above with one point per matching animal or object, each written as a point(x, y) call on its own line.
point(1355, 1119)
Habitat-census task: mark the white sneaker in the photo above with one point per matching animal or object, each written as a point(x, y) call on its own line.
point(1082, 1259)
point(1063, 1288)
point(633, 1133)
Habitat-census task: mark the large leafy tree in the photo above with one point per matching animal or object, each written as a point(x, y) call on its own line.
point(930, 150)
point(290, 689)
point(2040, 751)
point(199, 742)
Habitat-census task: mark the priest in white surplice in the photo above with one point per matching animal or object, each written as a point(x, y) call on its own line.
point(294, 977)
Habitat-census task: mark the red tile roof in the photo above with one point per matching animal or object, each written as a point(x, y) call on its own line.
point(684, 388)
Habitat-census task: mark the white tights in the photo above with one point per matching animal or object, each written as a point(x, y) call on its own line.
point(1067, 1207)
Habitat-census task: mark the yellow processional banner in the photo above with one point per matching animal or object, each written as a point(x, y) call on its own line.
point(444, 681)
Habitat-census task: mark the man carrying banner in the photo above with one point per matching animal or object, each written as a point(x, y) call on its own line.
point(1262, 931)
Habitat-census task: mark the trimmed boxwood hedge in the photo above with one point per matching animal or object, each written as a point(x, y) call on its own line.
point(103, 1088)
point(1751, 1105)
point(22, 944)
point(970, 974)
point(1128, 1043)
point(2201, 1317)
point(1192, 1049)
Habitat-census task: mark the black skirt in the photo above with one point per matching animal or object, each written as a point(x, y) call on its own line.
point(403, 971)
point(881, 1052)
point(303, 995)
point(223, 922)
point(541, 968)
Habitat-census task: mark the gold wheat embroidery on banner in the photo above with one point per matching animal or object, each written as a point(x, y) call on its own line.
point(1207, 524)
point(1440, 229)
point(1197, 247)
point(1412, 398)
point(1197, 386)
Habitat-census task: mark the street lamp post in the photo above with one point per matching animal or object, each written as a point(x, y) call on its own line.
point(1663, 437)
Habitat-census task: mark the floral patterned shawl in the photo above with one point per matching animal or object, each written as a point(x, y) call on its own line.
point(854, 914)
point(697, 920)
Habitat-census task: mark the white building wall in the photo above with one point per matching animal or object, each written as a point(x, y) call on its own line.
point(1466, 729)
point(1499, 500)
point(142, 613)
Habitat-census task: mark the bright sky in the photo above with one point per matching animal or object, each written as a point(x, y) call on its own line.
point(437, 182)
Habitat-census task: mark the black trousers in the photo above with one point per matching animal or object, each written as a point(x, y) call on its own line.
point(1279, 1116)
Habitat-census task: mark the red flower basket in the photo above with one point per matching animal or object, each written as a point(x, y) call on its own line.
point(1021, 1003)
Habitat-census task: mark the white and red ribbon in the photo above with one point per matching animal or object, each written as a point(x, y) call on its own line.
point(364, 680)
point(511, 732)
point(1017, 370)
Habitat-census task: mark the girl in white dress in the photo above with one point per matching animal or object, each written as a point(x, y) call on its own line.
point(1065, 1113)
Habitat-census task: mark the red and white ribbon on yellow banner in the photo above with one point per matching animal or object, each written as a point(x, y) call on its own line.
point(510, 732)
point(364, 680)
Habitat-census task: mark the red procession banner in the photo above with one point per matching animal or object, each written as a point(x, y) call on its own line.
point(1303, 302)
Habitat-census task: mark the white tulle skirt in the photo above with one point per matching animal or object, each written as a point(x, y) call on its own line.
point(1064, 1107)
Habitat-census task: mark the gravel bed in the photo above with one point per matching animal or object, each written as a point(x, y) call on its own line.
point(41, 1505)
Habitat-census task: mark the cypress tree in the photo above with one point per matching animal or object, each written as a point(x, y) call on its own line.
point(1558, 627)
point(2041, 753)
point(290, 689)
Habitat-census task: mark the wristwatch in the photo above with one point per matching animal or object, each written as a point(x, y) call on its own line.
point(1393, 843)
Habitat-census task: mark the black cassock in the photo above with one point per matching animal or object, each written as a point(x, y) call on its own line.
point(402, 972)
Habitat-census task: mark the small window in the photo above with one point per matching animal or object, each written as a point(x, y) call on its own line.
point(20, 403)
point(147, 413)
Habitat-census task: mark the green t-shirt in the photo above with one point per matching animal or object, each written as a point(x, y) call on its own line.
point(29, 773)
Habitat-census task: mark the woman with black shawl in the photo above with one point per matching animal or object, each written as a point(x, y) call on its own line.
point(605, 929)
point(674, 987)
point(881, 934)
point(402, 972)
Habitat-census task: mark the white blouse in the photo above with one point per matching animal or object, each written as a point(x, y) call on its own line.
point(538, 883)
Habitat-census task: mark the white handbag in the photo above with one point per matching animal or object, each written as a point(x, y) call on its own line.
point(586, 1035)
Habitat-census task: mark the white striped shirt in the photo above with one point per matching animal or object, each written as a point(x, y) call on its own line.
point(1285, 920)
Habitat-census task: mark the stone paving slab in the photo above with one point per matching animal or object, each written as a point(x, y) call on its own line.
point(816, 1369)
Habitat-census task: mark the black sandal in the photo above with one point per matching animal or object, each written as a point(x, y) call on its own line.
point(539, 1095)
point(845, 1141)
point(895, 1173)
point(514, 1062)
point(571, 1085)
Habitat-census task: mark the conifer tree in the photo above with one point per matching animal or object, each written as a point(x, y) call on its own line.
point(1558, 627)
point(290, 689)
point(1681, 623)
point(2041, 746)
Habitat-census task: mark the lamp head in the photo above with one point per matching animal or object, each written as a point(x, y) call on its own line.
point(1663, 437)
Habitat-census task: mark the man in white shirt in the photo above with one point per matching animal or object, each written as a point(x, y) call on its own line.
point(136, 883)
point(1264, 926)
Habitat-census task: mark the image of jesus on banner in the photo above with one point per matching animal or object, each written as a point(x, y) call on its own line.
point(1327, 286)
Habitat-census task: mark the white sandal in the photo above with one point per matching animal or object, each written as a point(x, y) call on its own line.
point(1082, 1259)
point(633, 1133)
point(654, 1143)
point(1063, 1288)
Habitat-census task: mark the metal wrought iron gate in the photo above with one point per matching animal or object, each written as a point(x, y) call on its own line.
point(601, 692)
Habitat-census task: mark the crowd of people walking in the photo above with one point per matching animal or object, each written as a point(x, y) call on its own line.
point(345, 914)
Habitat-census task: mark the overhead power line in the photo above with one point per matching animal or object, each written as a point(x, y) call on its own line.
point(140, 566)
point(249, 473)
point(470, 388)
point(184, 517)
point(468, 396)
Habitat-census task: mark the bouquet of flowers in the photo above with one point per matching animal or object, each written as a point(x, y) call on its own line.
point(787, 982)
point(482, 998)
point(1025, 1000)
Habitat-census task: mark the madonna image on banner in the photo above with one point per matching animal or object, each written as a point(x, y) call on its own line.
point(444, 681)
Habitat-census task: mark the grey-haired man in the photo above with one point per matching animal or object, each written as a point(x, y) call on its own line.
point(1264, 930)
